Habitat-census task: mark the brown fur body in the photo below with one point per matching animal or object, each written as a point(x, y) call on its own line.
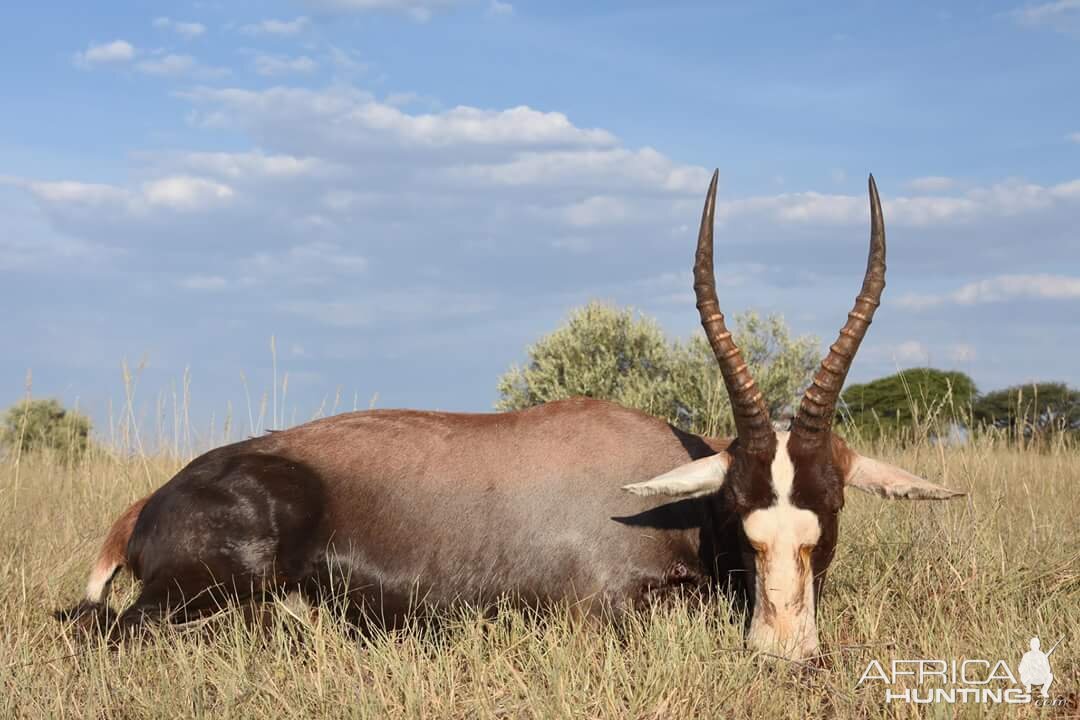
point(401, 509)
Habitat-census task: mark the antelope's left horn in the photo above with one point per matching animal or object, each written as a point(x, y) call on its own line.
point(747, 402)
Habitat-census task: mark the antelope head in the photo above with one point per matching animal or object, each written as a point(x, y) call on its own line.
point(787, 488)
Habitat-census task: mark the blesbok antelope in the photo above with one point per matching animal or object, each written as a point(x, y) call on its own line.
point(569, 502)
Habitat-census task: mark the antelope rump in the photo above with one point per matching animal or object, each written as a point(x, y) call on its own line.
point(579, 502)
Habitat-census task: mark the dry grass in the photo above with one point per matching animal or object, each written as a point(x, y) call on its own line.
point(974, 577)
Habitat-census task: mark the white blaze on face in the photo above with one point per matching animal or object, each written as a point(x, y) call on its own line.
point(783, 537)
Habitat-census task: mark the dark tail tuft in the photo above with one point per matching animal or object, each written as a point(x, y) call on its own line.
point(90, 618)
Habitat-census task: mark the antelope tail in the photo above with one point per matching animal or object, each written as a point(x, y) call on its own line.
point(111, 558)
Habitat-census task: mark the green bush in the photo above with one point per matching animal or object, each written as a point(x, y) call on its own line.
point(36, 425)
point(616, 354)
point(919, 398)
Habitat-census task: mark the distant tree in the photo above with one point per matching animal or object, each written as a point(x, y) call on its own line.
point(782, 367)
point(35, 425)
point(614, 353)
point(1035, 408)
point(897, 402)
point(601, 351)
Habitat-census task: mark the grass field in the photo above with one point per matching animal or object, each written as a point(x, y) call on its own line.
point(974, 577)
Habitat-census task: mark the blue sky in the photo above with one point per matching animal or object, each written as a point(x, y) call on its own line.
point(405, 193)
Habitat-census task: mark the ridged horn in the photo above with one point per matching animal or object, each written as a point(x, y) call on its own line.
point(747, 403)
point(818, 405)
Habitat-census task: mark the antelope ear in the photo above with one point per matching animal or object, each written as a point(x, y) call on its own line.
point(693, 479)
point(889, 481)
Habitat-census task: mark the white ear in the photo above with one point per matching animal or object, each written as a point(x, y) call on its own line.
point(694, 479)
point(880, 478)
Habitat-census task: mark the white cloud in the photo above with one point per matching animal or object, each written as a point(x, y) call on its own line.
point(962, 352)
point(931, 184)
point(804, 207)
point(29, 242)
point(516, 125)
point(500, 8)
point(906, 353)
point(168, 65)
point(920, 301)
point(348, 61)
point(419, 10)
point(277, 27)
point(910, 351)
point(1005, 199)
point(311, 262)
point(341, 163)
point(175, 65)
point(188, 30)
point(612, 166)
point(400, 99)
point(1016, 197)
point(1045, 12)
point(43, 248)
point(1073, 137)
point(203, 282)
point(429, 303)
point(676, 288)
point(348, 117)
point(77, 193)
point(254, 165)
point(573, 243)
point(923, 211)
point(348, 200)
point(1001, 288)
point(1007, 287)
point(281, 64)
point(117, 51)
point(1066, 190)
point(366, 162)
point(178, 192)
point(597, 210)
point(183, 192)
